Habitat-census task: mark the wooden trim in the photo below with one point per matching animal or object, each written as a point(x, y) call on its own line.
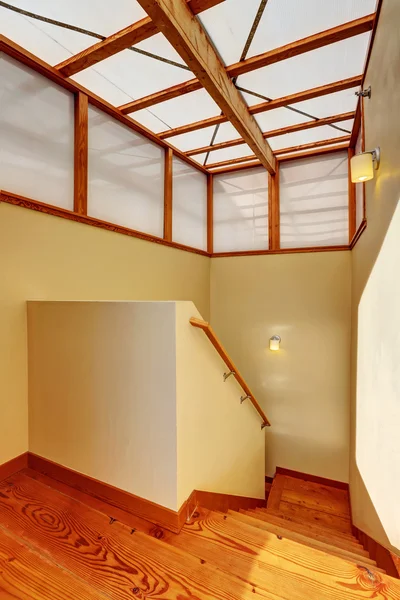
point(312, 42)
point(356, 126)
point(13, 466)
point(225, 502)
point(233, 168)
point(323, 90)
point(362, 227)
point(134, 505)
point(274, 211)
point(129, 36)
point(383, 557)
point(185, 33)
point(277, 132)
point(290, 150)
point(352, 198)
point(275, 494)
point(168, 161)
point(372, 40)
point(210, 213)
point(208, 330)
point(281, 251)
point(81, 119)
point(55, 211)
point(33, 62)
point(341, 485)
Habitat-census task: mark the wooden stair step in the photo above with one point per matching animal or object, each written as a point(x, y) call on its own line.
point(297, 517)
point(317, 499)
point(314, 532)
point(305, 540)
point(335, 522)
point(107, 555)
point(25, 574)
point(280, 566)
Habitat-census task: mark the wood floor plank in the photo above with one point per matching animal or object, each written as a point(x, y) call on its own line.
point(302, 539)
point(316, 496)
point(282, 566)
point(26, 575)
point(107, 556)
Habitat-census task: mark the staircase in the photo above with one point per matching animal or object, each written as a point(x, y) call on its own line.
point(57, 542)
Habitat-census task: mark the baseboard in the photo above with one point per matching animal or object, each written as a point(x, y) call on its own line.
point(13, 466)
point(314, 478)
point(225, 502)
point(383, 557)
point(130, 505)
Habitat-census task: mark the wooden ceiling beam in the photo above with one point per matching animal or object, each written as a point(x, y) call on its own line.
point(317, 92)
point(290, 150)
point(175, 20)
point(276, 132)
point(129, 36)
point(312, 42)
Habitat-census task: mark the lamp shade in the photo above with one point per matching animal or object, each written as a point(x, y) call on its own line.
point(362, 167)
point(274, 342)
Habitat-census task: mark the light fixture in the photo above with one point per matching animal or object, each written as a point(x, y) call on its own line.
point(274, 342)
point(362, 165)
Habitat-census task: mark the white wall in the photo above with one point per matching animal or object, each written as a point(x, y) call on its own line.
point(102, 392)
point(303, 388)
point(375, 406)
point(221, 447)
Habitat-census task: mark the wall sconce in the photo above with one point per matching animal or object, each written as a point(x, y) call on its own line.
point(274, 342)
point(362, 165)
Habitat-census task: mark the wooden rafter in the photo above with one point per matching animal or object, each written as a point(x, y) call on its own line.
point(312, 42)
point(317, 92)
point(242, 159)
point(184, 32)
point(276, 132)
point(129, 36)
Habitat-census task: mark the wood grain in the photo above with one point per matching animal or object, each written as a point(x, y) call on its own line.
point(81, 124)
point(383, 557)
point(185, 33)
point(24, 574)
point(312, 42)
point(276, 132)
point(275, 494)
point(357, 558)
point(210, 213)
point(317, 92)
point(129, 36)
point(208, 330)
point(13, 466)
point(280, 566)
point(168, 162)
point(225, 502)
point(274, 212)
point(282, 251)
point(108, 557)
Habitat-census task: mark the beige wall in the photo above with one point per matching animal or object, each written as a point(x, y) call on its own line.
point(44, 257)
point(102, 392)
point(375, 432)
point(221, 447)
point(303, 388)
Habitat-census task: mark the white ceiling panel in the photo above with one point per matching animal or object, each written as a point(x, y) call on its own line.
point(307, 136)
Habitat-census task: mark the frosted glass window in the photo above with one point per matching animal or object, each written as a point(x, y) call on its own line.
point(37, 136)
point(126, 176)
point(241, 210)
point(189, 205)
point(360, 187)
point(314, 201)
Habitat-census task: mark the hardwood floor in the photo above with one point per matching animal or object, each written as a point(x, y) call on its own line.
point(57, 543)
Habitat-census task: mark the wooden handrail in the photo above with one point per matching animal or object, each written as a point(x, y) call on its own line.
point(208, 330)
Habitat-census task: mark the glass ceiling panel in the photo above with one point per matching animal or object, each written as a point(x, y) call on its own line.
point(331, 104)
point(286, 21)
point(194, 139)
point(228, 25)
point(308, 136)
point(278, 118)
point(103, 18)
point(319, 67)
point(228, 153)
